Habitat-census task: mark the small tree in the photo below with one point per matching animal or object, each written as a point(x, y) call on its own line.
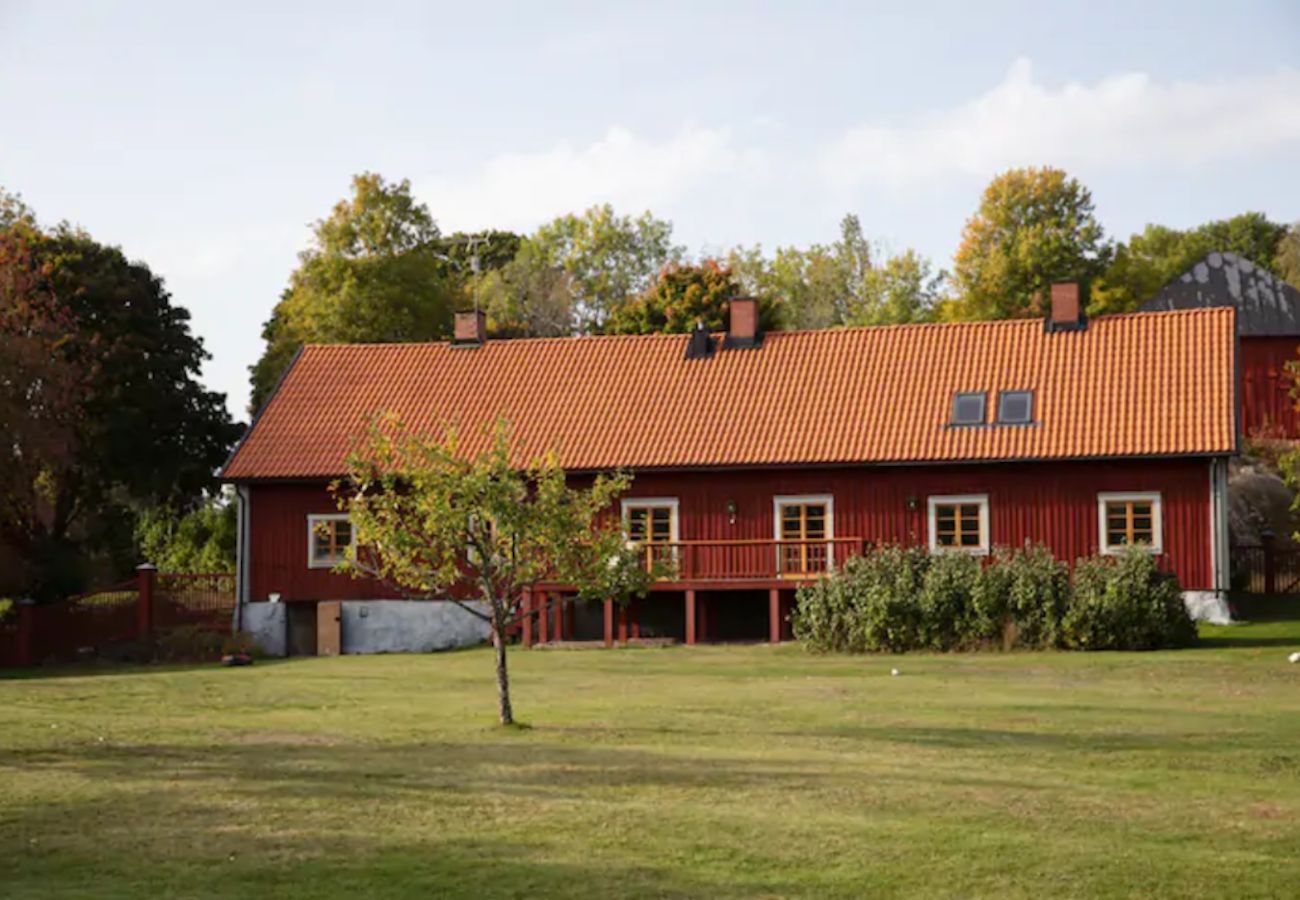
point(433, 520)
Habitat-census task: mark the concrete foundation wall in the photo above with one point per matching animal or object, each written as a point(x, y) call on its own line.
point(267, 625)
point(409, 626)
point(376, 626)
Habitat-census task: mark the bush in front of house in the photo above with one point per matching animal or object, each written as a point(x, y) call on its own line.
point(897, 599)
point(1020, 599)
point(866, 605)
point(1124, 602)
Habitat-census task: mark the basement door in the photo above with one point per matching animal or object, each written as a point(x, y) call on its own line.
point(329, 628)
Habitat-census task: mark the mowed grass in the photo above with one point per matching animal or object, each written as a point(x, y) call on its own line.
point(708, 772)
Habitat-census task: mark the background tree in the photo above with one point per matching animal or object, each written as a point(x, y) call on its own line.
point(132, 427)
point(683, 295)
point(40, 401)
point(1033, 227)
point(849, 282)
point(609, 257)
point(436, 522)
point(378, 271)
point(201, 540)
point(1158, 254)
point(1288, 256)
point(526, 297)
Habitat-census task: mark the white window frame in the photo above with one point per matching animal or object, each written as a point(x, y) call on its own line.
point(827, 500)
point(669, 503)
point(931, 522)
point(314, 519)
point(1157, 545)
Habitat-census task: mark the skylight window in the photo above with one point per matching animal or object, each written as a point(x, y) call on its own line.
point(1015, 407)
point(968, 408)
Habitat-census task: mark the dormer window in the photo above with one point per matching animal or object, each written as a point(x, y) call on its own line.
point(1015, 407)
point(968, 408)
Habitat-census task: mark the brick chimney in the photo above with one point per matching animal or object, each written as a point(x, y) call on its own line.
point(742, 326)
point(471, 328)
point(1066, 313)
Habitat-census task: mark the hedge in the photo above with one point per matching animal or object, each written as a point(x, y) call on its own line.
point(898, 599)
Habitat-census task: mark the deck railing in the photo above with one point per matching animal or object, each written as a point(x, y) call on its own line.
point(749, 560)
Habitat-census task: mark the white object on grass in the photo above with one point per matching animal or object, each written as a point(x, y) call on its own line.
point(895, 672)
point(1294, 657)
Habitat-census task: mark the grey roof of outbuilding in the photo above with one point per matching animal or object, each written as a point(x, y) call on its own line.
point(1266, 305)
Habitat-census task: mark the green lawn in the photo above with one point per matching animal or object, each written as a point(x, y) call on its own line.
point(713, 772)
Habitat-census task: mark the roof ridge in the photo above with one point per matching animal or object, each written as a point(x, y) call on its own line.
point(1023, 322)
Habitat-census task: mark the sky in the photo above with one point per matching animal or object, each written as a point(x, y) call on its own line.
point(204, 139)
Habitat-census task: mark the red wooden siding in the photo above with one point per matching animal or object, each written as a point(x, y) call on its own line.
point(1051, 503)
point(1267, 406)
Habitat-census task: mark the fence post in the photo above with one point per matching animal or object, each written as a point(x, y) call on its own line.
point(1266, 541)
point(26, 627)
point(146, 574)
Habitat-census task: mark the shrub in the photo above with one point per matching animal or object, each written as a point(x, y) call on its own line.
point(944, 601)
point(1125, 603)
point(1020, 598)
point(868, 605)
point(6, 608)
point(899, 599)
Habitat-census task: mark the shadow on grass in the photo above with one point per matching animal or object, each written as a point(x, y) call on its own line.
point(94, 668)
point(319, 863)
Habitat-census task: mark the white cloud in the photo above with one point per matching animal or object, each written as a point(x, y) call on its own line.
point(1121, 121)
point(521, 190)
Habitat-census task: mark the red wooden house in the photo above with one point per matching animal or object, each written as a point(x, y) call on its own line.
point(1268, 320)
point(763, 460)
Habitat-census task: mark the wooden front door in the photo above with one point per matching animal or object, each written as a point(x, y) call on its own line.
point(329, 628)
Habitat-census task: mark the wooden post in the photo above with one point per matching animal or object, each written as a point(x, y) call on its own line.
point(622, 624)
point(774, 616)
point(528, 616)
point(690, 617)
point(609, 623)
point(544, 620)
point(26, 629)
point(145, 574)
point(1266, 540)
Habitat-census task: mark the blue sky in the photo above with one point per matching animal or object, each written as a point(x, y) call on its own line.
point(204, 142)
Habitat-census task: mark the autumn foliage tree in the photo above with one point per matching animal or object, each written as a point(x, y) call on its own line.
point(682, 296)
point(100, 376)
point(435, 520)
point(1033, 227)
point(41, 392)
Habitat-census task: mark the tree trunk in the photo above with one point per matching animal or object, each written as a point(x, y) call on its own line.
point(503, 676)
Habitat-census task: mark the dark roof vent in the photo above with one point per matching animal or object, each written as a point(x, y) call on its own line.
point(470, 328)
point(700, 346)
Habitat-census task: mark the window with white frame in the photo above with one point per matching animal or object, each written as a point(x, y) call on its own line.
point(328, 540)
point(959, 522)
point(804, 528)
point(651, 525)
point(1130, 519)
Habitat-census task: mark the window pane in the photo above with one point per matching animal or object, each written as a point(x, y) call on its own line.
point(968, 409)
point(636, 520)
point(342, 534)
point(1015, 407)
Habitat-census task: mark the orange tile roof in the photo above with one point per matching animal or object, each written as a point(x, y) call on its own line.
point(1154, 384)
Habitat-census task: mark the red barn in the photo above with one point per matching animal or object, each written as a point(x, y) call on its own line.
point(763, 460)
point(1268, 320)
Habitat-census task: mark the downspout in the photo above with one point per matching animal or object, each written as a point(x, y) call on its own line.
point(243, 499)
